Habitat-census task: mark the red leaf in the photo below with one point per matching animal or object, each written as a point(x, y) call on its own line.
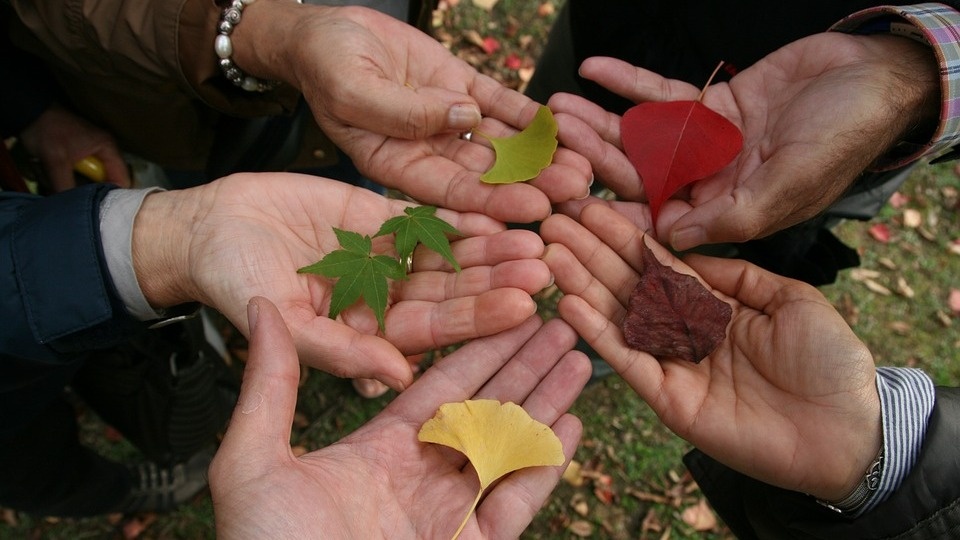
point(880, 233)
point(674, 143)
point(512, 61)
point(490, 45)
point(672, 315)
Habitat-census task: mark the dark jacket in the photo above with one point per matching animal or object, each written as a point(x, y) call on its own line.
point(925, 507)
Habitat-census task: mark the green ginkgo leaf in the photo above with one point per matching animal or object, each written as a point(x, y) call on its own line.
point(421, 225)
point(360, 273)
point(522, 156)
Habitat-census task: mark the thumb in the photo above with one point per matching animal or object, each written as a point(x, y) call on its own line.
point(408, 113)
point(259, 432)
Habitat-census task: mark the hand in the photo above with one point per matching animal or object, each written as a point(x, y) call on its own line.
point(246, 235)
point(789, 386)
point(59, 138)
point(396, 101)
point(380, 481)
point(814, 115)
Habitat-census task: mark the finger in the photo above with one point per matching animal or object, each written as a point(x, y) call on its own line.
point(510, 506)
point(464, 192)
point(530, 276)
point(115, 169)
point(531, 365)
point(640, 370)
point(460, 375)
point(610, 164)
point(486, 250)
point(259, 431)
point(398, 110)
point(416, 327)
point(573, 278)
point(343, 351)
point(634, 83)
point(60, 177)
point(751, 285)
point(611, 269)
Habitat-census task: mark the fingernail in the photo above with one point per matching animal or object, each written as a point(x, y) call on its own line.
point(553, 279)
point(687, 238)
point(250, 401)
point(589, 191)
point(253, 313)
point(463, 117)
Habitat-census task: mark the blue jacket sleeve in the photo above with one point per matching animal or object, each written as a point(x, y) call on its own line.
point(57, 297)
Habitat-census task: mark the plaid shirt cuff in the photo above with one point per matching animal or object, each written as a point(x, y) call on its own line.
point(936, 25)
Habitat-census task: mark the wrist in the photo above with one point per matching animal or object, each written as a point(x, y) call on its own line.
point(259, 44)
point(160, 243)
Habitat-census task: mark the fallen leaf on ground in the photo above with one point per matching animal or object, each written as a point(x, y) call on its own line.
point(880, 232)
point(912, 218)
point(581, 528)
point(876, 287)
point(903, 288)
point(699, 516)
point(953, 300)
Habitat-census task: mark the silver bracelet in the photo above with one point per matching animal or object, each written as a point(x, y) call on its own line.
point(863, 491)
point(229, 19)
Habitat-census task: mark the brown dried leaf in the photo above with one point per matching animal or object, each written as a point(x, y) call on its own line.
point(672, 315)
point(876, 287)
point(903, 288)
point(581, 528)
point(699, 516)
point(863, 274)
point(900, 328)
point(579, 504)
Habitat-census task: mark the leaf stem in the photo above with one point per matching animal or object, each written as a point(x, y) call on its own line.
point(469, 513)
point(712, 75)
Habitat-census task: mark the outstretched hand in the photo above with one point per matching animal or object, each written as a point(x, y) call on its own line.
point(396, 101)
point(380, 481)
point(814, 115)
point(246, 235)
point(789, 385)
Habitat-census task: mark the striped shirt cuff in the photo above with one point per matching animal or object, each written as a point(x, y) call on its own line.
point(906, 401)
point(936, 25)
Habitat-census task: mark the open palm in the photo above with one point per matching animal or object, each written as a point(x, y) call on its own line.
point(814, 115)
point(387, 105)
point(248, 235)
point(380, 481)
point(788, 385)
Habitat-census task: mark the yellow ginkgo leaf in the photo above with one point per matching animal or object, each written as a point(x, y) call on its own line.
point(522, 156)
point(496, 438)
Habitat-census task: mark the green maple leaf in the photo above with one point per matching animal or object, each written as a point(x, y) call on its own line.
point(359, 273)
point(420, 224)
point(522, 156)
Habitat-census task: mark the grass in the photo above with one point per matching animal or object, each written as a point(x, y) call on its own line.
point(633, 482)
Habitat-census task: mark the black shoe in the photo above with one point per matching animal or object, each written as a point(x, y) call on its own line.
point(162, 489)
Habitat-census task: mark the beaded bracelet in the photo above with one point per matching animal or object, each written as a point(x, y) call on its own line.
point(229, 19)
